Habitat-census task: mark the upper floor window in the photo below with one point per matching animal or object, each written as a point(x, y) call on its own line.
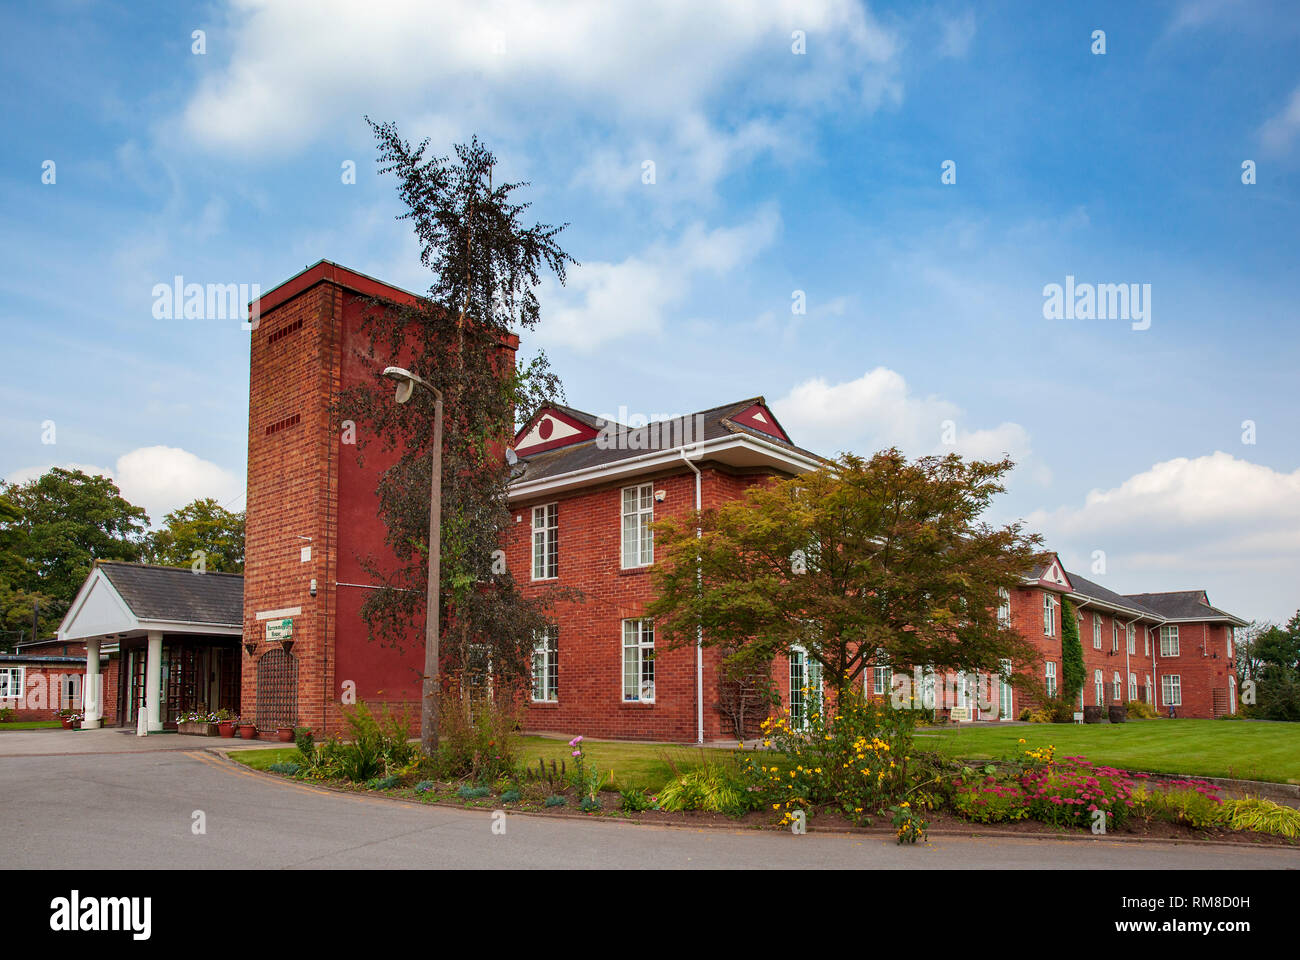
point(1049, 614)
point(546, 542)
point(1114, 635)
point(1096, 631)
point(1131, 636)
point(1004, 607)
point(1227, 633)
point(1169, 641)
point(638, 514)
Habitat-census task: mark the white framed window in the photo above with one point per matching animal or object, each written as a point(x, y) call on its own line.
point(1004, 608)
point(638, 514)
point(1227, 636)
point(1098, 687)
point(1096, 631)
point(11, 682)
point(1116, 687)
point(1171, 690)
point(1049, 614)
point(1168, 643)
point(1130, 636)
point(70, 691)
point(1114, 635)
point(1006, 696)
point(882, 677)
point(1051, 679)
point(639, 661)
point(1132, 686)
point(546, 542)
point(546, 665)
point(1149, 693)
point(1146, 644)
point(1232, 694)
point(805, 687)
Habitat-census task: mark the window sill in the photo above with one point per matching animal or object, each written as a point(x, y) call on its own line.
point(636, 704)
point(633, 571)
point(543, 703)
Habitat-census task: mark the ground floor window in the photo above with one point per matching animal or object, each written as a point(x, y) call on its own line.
point(1171, 690)
point(639, 661)
point(11, 683)
point(1117, 688)
point(1051, 680)
point(1005, 704)
point(881, 677)
point(1232, 694)
point(1132, 686)
point(546, 662)
point(1099, 687)
point(805, 688)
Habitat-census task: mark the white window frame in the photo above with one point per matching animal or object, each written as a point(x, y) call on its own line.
point(1146, 643)
point(799, 710)
point(1050, 671)
point(546, 665)
point(1096, 631)
point(1006, 693)
point(1114, 635)
point(1232, 693)
point(882, 680)
point(1171, 689)
point(1169, 643)
point(1227, 636)
point(1049, 614)
point(640, 516)
point(1130, 638)
point(1132, 686)
point(635, 642)
point(1117, 687)
point(1004, 608)
point(8, 683)
point(546, 534)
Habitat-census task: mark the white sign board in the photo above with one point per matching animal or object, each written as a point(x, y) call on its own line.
point(279, 629)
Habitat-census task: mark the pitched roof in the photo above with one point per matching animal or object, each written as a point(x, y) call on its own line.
point(1183, 605)
point(659, 435)
point(177, 594)
point(1095, 591)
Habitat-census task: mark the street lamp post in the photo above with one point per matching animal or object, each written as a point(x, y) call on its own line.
point(406, 383)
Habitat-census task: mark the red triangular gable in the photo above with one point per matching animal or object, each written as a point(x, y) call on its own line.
point(551, 429)
point(758, 417)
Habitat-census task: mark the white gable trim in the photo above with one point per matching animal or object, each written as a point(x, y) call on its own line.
point(560, 430)
point(98, 585)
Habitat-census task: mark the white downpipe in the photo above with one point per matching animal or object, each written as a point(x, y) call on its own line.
point(699, 631)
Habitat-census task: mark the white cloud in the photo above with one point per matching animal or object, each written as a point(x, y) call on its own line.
point(879, 410)
point(160, 479)
point(956, 34)
point(608, 301)
point(1281, 128)
point(1212, 522)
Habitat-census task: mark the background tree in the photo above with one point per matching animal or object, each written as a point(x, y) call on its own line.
point(203, 525)
point(1072, 669)
point(1276, 652)
point(861, 556)
point(1243, 647)
point(65, 521)
point(486, 264)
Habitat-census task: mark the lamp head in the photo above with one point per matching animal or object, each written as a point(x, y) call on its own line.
point(405, 382)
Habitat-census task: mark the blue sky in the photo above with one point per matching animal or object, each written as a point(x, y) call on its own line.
point(775, 172)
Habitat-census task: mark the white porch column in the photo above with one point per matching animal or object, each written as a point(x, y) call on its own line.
point(92, 700)
point(153, 681)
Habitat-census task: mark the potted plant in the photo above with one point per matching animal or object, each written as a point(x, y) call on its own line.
point(226, 722)
point(197, 723)
point(284, 732)
point(76, 719)
point(247, 728)
point(65, 718)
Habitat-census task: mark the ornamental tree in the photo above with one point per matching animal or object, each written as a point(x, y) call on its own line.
point(485, 264)
point(1072, 669)
point(201, 530)
point(880, 560)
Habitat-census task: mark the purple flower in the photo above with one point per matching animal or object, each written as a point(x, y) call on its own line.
point(577, 753)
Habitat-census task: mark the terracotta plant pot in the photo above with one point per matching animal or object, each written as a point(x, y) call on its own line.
point(226, 728)
point(67, 722)
point(248, 731)
point(284, 734)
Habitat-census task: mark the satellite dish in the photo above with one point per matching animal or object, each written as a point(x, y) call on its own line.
point(511, 457)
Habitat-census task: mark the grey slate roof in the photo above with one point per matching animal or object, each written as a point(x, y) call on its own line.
point(177, 593)
point(1181, 605)
point(715, 422)
point(1096, 591)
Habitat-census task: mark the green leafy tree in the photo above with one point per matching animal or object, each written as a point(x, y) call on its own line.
point(202, 530)
point(486, 264)
point(1277, 676)
point(884, 554)
point(1072, 671)
point(66, 520)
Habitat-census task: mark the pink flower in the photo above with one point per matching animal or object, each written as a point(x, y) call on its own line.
point(577, 753)
point(575, 741)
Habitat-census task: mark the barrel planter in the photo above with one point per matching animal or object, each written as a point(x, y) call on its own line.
point(66, 722)
point(1092, 714)
point(1118, 713)
point(226, 728)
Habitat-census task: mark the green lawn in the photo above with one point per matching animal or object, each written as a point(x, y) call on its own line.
point(1207, 748)
point(30, 725)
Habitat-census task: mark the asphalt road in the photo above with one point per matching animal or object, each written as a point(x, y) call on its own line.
point(132, 810)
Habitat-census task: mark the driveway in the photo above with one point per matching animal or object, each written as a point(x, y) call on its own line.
point(136, 809)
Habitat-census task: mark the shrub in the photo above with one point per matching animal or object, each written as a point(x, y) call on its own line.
point(555, 800)
point(476, 738)
point(635, 800)
point(708, 787)
point(991, 800)
point(1263, 816)
point(466, 792)
point(383, 783)
point(424, 786)
point(7, 714)
point(510, 796)
point(856, 759)
point(1069, 793)
point(1193, 805)
point(288, 768)
point(1139, 710)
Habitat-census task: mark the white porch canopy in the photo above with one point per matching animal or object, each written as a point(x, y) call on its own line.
point(120, 601)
